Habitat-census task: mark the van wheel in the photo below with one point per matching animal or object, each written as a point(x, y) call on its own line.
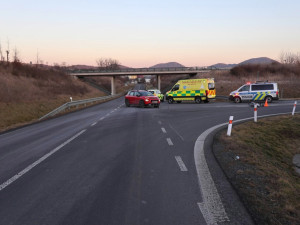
point(170, 100)
point(269, 99)
point(237, 100)
point(127, 103)
point(198, 100)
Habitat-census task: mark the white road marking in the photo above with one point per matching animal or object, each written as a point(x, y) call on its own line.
point(163, 130)
point(93, 124)
point(206, 215)
point(181, 164)
point(102, 118)
point(210, 195)
point(169, 141)
point(28, 168)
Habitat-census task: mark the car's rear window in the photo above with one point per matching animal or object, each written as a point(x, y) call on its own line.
point(258, 87)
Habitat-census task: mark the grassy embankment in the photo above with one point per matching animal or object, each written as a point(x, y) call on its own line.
point(29, 92)
point(263, 175)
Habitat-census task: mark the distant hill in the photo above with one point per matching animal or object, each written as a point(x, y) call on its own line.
point(82, 67)
point(165, 65)
point(260, 60)
point(224, 66)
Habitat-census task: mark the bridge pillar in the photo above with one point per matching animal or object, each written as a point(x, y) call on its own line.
point(158, 81)
point(113, 85)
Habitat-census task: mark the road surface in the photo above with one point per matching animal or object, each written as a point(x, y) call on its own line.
point(109, 164)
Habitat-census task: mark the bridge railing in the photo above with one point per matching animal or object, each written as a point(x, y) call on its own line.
point(103, 70)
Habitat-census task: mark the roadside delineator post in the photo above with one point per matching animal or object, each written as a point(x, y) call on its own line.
point(255, 112)
point(71, 99)
point(229, 126)
point(294, 108)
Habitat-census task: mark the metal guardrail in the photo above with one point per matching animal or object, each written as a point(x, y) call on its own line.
point(77, 103)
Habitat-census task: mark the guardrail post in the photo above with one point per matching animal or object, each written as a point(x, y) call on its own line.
point(255, 112)
point(229, 126)
point(294, 108)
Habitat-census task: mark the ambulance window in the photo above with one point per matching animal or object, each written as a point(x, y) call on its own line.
point(245, 88)
point(211, 86)
point(176, 87)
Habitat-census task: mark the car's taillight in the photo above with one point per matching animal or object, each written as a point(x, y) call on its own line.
point(276, 92)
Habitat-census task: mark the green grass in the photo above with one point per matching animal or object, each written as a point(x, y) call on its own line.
point(264, 176)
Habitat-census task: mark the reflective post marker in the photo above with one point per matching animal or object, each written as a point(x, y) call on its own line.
point(255, 112)
point(294, 108)
point(229, 126)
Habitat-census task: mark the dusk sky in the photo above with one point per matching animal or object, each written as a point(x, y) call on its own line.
point(144, 33)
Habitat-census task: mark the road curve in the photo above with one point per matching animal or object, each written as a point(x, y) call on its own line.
point(110, 164)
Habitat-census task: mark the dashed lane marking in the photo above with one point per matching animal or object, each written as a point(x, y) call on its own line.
point(169, 141)
point(93, 124)
point(181, 164)
point(28, 168)
point(163, 130)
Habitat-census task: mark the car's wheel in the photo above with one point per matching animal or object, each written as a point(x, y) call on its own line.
point(269, 99)
point(198, 100)
point(178, 101)
point(170, 100)
point(237, 100)
point(142, 104)
point(127, 103)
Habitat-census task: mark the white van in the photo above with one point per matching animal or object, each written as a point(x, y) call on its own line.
point(259, 91)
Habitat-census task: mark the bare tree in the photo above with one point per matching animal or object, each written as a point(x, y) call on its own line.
point(107, 64)
point(16, 55)
point(289, 58)
point(1, 53)
point(7, 51)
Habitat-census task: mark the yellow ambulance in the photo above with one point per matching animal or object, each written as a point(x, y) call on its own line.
point(196, 90)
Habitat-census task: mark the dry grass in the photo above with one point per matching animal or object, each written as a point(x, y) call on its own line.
point(264, 176)
point(27, 93)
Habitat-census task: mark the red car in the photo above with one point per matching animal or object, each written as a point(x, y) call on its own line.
point(141, 98)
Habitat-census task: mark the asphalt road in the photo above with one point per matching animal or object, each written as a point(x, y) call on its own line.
point(109, 164)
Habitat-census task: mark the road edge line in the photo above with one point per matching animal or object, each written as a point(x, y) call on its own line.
point(37, 162)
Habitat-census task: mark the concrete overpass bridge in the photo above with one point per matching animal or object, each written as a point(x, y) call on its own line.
point(158, 72)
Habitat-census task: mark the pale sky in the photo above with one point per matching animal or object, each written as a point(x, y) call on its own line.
point(143, 33)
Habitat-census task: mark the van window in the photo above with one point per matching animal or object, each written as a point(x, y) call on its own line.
point(176, 87)
point(245, 88)
point(211, 86)
point(259, 87)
